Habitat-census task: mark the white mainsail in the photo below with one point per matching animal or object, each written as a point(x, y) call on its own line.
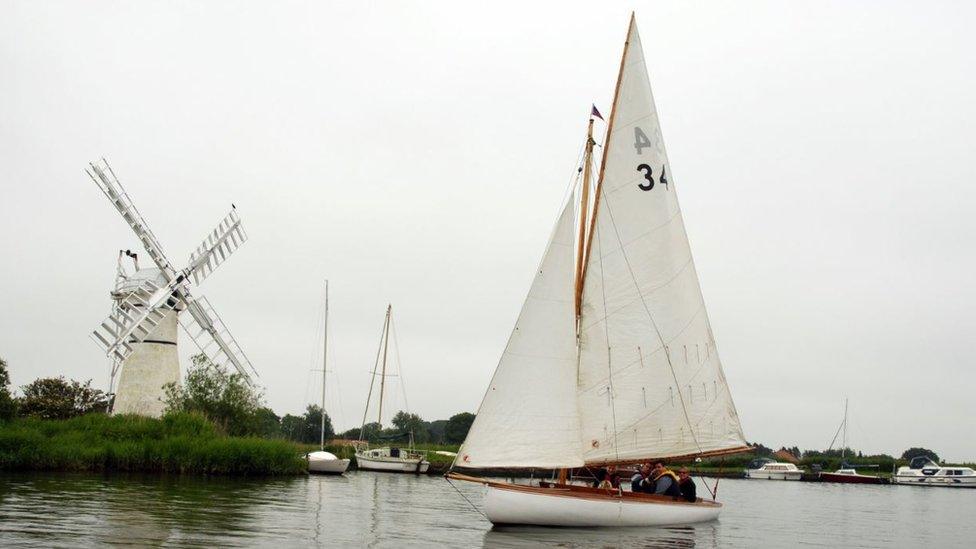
point(650, 381)
point(639, 376)
point(529, 413)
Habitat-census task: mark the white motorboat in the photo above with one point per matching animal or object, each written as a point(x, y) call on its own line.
point(326, 463)
point(775, 470)
point(922, 471)
point(612, 360)
point(322, 461)
point(391, 460)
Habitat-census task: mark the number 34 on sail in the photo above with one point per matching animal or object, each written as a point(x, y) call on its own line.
point(612, 359)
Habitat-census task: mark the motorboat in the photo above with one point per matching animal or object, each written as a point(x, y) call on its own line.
point(922, 471)
point(850, 476)
point(775, 470)
point(392, 460)
point(326, 463)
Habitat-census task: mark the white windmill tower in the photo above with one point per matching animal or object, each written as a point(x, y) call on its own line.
point(140, 336)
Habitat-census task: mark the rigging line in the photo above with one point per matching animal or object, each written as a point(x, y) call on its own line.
point(606, 331)
point(667, 354)
point(473, 506)
point(833, 440)
point(396, 349)
point(338, 388)
point(372, 381)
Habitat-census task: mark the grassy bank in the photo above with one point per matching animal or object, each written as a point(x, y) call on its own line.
point(181, 443)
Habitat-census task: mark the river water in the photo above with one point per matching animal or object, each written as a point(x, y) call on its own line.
point(364, 509)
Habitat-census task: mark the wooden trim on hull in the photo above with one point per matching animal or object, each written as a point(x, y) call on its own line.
point(584, 492)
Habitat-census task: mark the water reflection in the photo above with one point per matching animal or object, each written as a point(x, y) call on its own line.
point(673, 538)
point(390, 510)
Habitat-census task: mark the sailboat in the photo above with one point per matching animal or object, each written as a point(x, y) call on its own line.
point(612, 360)
point(322, 461)
point(847, 473)
point(389, 459)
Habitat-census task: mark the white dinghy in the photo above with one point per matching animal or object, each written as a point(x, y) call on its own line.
point(612, 359)
point(322, 461)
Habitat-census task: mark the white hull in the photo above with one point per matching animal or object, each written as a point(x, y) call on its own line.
point(326, 463)
point(392, 465)
point(944, 481)
point(506, 506)
point(773, 475)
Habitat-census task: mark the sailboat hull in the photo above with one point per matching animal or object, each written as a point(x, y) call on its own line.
point(326, 463)
point(564, 506)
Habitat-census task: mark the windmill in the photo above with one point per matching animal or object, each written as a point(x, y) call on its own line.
point(140, 334)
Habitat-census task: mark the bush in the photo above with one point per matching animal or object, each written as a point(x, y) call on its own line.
point(58, 398)
point(8, 406)
point(224, 398)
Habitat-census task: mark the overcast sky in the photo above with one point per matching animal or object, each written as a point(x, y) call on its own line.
point(417, 153)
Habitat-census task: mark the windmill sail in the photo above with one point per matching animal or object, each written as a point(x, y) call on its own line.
point(638, 376)
point(650, 381)
point(529, 414)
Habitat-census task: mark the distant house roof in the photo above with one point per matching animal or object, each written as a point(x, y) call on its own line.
point(783, 455)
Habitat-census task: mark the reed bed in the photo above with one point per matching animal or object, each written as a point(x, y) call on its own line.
point(178, 443)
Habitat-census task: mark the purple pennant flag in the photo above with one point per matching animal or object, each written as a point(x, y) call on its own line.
point(596, 113)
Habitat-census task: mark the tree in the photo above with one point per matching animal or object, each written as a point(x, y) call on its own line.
point(292, 427)
point(267, 423)
point(311, 433)
point(407, 423)
point(224, 398)
point(457, 427)
point(436, 430)
point(760, 449)
point(370, 432)
point(59, 398)
point(8, 406)
point(910, 453)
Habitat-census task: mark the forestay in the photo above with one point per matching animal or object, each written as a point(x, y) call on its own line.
point(650, 381)
point(529, 415)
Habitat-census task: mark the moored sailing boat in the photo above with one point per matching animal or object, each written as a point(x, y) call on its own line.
point(322, 461)
point(847, 474)
point(612, 359)
point(389, 459)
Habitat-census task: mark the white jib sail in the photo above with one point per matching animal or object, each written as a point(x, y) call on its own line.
point(650, 380)
point(528, 416)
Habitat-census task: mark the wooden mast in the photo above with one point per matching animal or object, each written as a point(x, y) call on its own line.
point(581, 236)
point(386, 345)
point(583, 216)
point(606, 148)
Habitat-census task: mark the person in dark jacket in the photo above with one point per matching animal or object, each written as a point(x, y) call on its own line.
point(641, 481)
point(665, 481)
point(687, 485)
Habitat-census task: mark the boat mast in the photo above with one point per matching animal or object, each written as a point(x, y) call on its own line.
point(583, 216)
point(325, 362)
point(386, 346)
point(606, 148)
